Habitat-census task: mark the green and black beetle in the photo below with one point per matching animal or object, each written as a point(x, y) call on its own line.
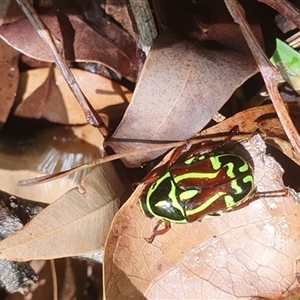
point(206, 182)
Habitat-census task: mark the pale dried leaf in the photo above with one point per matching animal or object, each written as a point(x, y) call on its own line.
point(242, 254)
point(77, 223)
point(102, 93)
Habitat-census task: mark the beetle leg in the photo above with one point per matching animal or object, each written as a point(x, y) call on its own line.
point(178, 152)
point(151, 177)
point(158, 232)
point(256, 195)
point(154, 175)
point(204, 148)
point(268, 194)
point(215, 145)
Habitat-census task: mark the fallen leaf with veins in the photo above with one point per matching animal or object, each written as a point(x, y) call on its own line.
point(239, 255)
point(177, 85)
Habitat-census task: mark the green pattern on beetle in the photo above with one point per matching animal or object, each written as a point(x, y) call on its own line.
point(202, 185)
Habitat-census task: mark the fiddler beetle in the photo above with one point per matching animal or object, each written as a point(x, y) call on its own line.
point(203, 182)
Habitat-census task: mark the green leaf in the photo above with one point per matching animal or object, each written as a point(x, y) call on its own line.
point(287, 61)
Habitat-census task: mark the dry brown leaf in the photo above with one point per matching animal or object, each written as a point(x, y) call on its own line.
point(77, 223)
point(119, 11)
point(292, 294)
point(246, 253)
point(122, 34)
point(181, 83)
point(48, 151)
point(10, 12)
point(45, 102)
point(102, 93)
point(81, 43)
point(188, 75)
point(9, 73)
point(264, 119)
point(3, 10)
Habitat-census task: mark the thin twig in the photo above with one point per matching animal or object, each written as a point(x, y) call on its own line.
point(91, 115)
point(97, 162)
point(51, 177)
point(54, 279)
point(268, 72)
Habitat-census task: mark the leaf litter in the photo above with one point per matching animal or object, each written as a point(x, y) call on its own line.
point(272, 224)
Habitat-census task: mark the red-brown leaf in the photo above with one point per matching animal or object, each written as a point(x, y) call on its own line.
point(80, 43)
point(182, 85)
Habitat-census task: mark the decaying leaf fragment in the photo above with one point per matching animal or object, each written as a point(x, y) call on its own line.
point(246, 253)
